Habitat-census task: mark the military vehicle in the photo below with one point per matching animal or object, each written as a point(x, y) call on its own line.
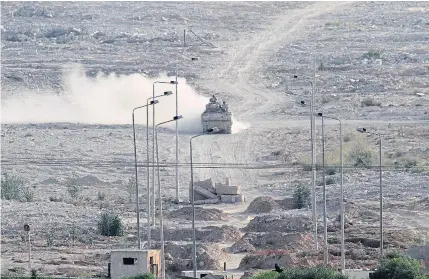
point(216, 118)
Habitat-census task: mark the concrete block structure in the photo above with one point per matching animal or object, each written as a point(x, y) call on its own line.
point(130, 262)
point(228, 190)
point(232, 198)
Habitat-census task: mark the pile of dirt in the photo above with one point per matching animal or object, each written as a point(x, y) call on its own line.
point(206, 234)
point(267, 204)
point(222, 234)
point(278, 240)
point(179, 257)
point(201, 214)
point(394, 237)
point(280, 223)
point(242, 246)
point(263, 205)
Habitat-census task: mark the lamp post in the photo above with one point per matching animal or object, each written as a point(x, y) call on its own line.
point(135, 166)
point(341, 190)
point(364, 130)
point(313, 165)
point(153, 145)
point(325, 222)
point(177, 136)
point(161, 219)
point(194, 241)
point(149, 238)
point(313, 158)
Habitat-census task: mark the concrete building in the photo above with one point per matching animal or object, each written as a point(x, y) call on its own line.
point(125, 263)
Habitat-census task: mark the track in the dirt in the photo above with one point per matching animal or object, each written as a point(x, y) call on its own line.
point(239, 77)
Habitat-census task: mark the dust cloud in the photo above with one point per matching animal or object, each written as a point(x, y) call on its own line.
point(107, 99)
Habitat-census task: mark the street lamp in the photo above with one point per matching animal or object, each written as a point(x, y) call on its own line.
point(194, 241)
point(177, 135)
point(135, 165)
point(161, 220)
point(313, 164)
point(149, 240)
point(341, 190)
point(364, 130)
point(153, 144)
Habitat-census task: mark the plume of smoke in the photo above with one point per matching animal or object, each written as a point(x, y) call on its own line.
point(107, 99)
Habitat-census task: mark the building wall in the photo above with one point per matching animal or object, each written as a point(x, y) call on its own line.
point(141, 265)
point(357, 274)
point(156, 260)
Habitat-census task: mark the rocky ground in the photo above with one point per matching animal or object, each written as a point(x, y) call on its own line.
point(371, 70)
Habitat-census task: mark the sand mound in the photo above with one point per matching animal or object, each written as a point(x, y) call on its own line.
point(202, 214)
point(278, 240)
point(283, 223)
point(180, 256)
point(241, 246)
point(222, 234)
point(263, 205)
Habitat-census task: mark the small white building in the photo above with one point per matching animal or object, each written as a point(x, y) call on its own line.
point(124, 263)
point(357, 273)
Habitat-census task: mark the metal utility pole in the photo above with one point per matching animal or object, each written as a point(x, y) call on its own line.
point(153, 146)
point(194, 242)
point(27, 229)
point(161, 219)
point(177, 143)
point(313, 157)
point(364, 130)
point(343, 259)
point(325, 223)
point(381, 202)
point(136, 172)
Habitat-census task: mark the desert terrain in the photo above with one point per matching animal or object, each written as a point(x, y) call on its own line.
point(73, 71)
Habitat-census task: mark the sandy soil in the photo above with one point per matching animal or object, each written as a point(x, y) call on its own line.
point(257, 55)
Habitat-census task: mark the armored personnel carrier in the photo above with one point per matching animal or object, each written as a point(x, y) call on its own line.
point(217, 117)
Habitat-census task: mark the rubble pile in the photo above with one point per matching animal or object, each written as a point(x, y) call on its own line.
point(205, 192)
point(178, 257)
point(278, 240)
point(242, 246)
point(262, 205)
point(280, 223)
point(201, 214)
point(222, 234)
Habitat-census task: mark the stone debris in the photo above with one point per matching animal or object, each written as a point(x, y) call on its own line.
point(201, 214)
point(180, 256)
point(206, 192)
point(242, 246)
point(262, 205)
point(280, 223)
point(267, 204)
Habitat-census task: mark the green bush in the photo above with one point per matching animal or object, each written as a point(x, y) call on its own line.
point(110, 225)
point(301, 196)
point(399, 267)
point(12, 187)
point(141, 276)
point(73, 186)
point(311, 273)
point(266, 275)
point(360, 157)
point(372, 54)
point(331, 171)
point(302, 273)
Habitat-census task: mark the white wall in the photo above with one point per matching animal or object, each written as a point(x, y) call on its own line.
point(119, 270)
